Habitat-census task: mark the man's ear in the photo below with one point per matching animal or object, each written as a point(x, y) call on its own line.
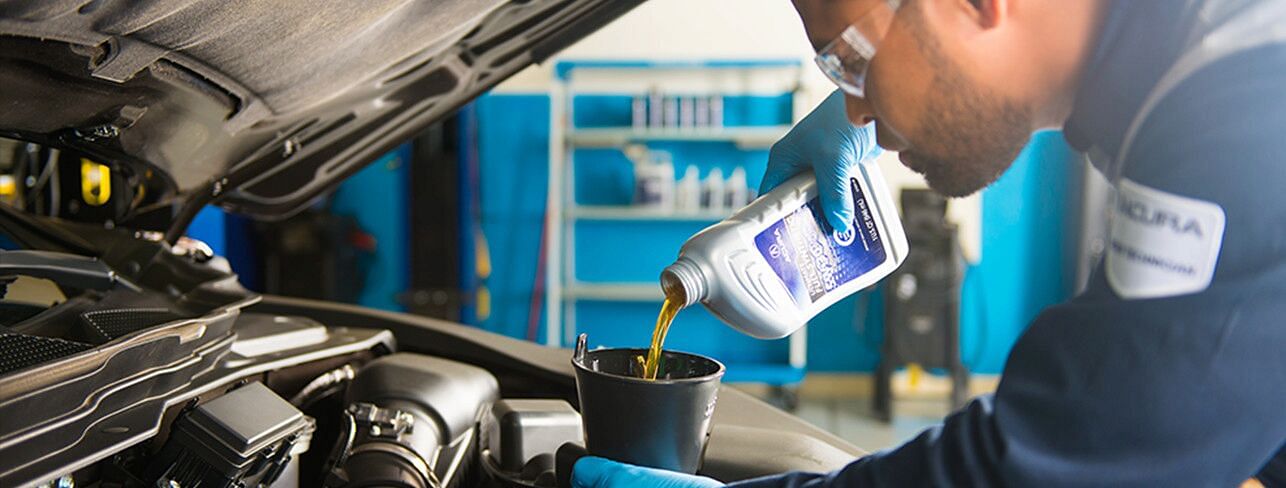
point(989, 13)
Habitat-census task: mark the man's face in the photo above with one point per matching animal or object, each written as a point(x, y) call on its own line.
point(942, 110)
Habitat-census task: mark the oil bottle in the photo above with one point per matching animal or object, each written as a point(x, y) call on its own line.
point(776, 263)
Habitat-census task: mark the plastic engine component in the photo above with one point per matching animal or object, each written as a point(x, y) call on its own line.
point(519, 430)
point(243, 438)
point(18, 351)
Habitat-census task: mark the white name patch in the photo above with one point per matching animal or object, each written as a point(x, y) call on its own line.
point(1161, 244)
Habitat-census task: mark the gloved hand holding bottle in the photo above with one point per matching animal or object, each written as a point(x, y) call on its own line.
point(812, 173)
point(597, 472)
point(826, 142)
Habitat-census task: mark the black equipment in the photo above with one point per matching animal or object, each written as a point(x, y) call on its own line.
point(242, 439)
point(922, 301)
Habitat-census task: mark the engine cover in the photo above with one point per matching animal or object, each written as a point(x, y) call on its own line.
point(243, 438)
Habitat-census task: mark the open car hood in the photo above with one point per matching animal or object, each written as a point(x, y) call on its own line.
point(259, 105)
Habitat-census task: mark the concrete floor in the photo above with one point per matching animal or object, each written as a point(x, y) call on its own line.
point(841, 404)
point(851, 419)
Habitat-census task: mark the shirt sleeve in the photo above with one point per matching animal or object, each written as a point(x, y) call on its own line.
point(1273, 475)
point(1109, 393)
point(1179, 390)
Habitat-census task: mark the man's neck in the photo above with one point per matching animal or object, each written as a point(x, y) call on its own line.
point(1066, 35)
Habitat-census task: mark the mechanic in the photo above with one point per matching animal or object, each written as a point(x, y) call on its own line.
point(1170, 368)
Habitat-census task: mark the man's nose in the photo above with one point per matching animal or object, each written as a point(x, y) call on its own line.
point(859, 111)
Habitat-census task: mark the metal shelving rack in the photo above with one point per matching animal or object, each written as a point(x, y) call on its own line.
point(562, 290)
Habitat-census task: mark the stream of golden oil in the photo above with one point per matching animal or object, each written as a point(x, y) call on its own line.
point(652, 364)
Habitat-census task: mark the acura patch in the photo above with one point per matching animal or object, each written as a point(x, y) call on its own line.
point(1161, 244)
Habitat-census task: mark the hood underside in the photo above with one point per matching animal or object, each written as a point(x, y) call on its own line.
point(259, 105)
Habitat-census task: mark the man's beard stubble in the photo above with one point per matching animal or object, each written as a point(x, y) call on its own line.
point(967, 137)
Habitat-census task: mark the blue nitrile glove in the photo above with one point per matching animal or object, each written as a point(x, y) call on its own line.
point(596, 472)
point(827, 143)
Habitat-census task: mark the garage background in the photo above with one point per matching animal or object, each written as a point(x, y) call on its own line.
point(457, 231)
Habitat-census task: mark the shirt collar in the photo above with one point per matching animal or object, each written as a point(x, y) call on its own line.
point(1138, 42)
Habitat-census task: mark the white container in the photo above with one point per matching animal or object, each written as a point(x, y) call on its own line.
point(687, 192)
point(712, 191)
point(638, 113)
point(702, 111)
point(671, 111)
point(716, 111)
point(654, 115)
point(687, 112)
point(654, 181)
point(735, 192)
point(776, 263)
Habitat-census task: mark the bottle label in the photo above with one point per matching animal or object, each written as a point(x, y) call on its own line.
point(811, 258)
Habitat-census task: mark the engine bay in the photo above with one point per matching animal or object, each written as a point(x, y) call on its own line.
point(287, 402)
point(130, 360)
point(169, 373)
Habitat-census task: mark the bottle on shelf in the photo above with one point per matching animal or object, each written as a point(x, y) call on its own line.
point(654, 107)
point(716, 111)
point(712, 191)
point(687, 192)
point(654, 180)
point(671, 111)
point(638, 108)
point(736, 194)
point(701, 112)
point(687, 109)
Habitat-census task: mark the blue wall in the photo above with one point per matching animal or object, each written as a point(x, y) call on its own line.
point(513, 159)
point(1024, 266)
point(378, 197)
point(208, 227)
point(1029, 222)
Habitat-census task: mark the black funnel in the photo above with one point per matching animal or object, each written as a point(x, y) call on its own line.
point(662, 423)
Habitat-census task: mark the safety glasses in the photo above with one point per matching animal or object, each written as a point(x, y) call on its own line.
point(845, 59)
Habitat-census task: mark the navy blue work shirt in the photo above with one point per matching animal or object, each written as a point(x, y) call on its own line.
point(1170, 369)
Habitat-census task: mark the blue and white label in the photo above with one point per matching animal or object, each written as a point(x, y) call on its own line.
point(811, 258)
point(1161, 244)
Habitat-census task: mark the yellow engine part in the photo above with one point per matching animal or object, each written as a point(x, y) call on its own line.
point(8, 186)
point(95, 182)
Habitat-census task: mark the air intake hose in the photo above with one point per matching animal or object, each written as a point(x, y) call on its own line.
point(402, 410)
